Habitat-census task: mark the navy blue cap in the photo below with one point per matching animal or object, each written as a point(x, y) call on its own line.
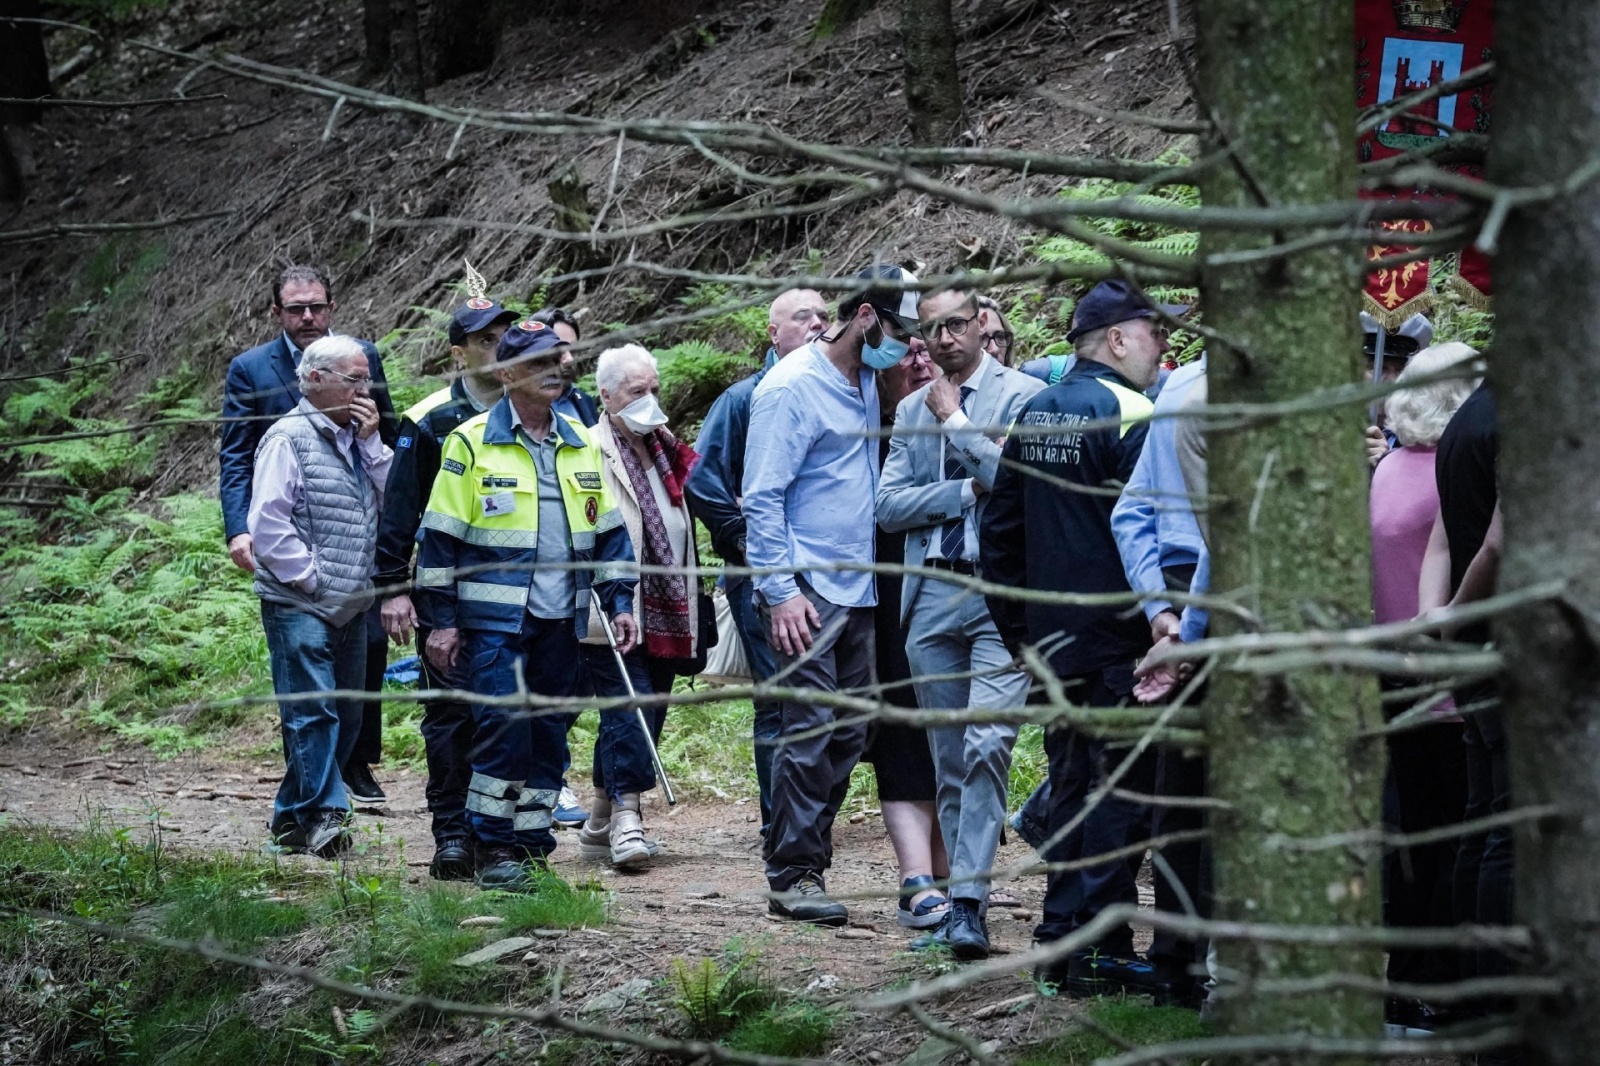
point(474, 315)
point(528, 337)
point(1115, 301)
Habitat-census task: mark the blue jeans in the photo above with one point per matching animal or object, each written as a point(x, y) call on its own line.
point(516, 761)
point(308, 656)
point(621, 760)
point(769, 713)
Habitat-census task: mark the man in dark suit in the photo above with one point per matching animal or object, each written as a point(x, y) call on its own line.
point(261, 388)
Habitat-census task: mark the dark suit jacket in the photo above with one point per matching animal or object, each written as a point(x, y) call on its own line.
point(262, 388)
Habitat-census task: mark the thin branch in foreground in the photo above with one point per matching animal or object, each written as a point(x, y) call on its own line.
point(153, 101)
point(90, 229)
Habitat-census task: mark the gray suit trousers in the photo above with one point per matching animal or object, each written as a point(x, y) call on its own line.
point(951, 632)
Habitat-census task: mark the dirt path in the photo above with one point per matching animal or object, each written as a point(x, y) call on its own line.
point(704, 890)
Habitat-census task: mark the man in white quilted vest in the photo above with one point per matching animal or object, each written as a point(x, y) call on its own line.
point(314, 505)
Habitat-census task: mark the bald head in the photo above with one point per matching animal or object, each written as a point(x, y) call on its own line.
point(797, 317)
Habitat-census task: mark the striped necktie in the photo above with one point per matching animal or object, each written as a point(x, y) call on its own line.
point(953, 541)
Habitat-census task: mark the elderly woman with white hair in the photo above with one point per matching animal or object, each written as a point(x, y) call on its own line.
point(645, 470)
point(1427, 781)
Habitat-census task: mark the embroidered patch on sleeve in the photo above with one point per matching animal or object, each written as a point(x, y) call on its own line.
point(454, 467)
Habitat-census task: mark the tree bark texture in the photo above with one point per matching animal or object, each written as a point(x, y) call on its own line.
point(933, 81)
point(408, 49)
point(24, 67)
point(377, 28)
point(1288, 515)
point(1547, 388)
point(465, 34)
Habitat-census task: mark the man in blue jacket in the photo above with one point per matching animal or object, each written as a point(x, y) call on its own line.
point(261, 388)
point(795, 319)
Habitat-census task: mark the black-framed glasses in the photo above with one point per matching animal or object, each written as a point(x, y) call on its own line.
point(1000, 341)
point(299, 310)
point(955, 324)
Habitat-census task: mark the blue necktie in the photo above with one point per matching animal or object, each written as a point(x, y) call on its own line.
point(953, 541)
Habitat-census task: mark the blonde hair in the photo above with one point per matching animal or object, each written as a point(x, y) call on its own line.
point(1418, 415)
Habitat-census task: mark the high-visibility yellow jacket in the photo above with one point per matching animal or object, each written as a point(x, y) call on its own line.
point(477, 560)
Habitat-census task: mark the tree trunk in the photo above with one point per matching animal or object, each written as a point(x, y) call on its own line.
point(933, 84)
point(838, 14)
point(1546, 126)
point(1289, 516)
point(408, 49)
point(465, 34)
point(24, 74)
point(377, 26)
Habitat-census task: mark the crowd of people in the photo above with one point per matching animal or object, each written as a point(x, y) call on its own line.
point(538, 545)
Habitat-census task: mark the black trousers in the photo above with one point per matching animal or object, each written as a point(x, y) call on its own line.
point(1075, 897)
point(1483, 872)
point(449, 737)
point(369, 741)
point(1426, 788)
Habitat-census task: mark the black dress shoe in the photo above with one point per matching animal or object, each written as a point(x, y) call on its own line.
point(968, 934)
point(505, 870)
point(452, 860)
point(362, 786)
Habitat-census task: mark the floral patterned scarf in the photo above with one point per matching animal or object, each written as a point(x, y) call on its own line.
point(664, 598)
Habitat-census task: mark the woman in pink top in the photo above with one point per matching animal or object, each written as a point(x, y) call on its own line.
point(1426, 786)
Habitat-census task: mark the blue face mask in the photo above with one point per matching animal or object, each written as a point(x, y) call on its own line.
point(886, 353)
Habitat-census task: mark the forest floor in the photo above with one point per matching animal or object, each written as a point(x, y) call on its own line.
point(703, 898)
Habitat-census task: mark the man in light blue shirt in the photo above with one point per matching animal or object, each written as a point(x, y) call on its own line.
point(810, 477)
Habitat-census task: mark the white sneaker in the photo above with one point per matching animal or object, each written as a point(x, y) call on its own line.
point(628, 846)
point(595, 843)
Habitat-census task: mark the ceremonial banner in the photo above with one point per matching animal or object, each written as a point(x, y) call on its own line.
point(1404, 47)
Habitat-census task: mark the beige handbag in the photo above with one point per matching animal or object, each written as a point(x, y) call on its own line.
point(726, 663)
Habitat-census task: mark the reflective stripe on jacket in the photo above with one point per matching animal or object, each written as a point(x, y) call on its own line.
point(478, 554)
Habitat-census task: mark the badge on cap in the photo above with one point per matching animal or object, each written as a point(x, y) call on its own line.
point(478, 303)
point(531, 326)
point(591, 510)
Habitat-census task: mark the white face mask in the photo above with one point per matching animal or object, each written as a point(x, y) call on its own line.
point(643, 415)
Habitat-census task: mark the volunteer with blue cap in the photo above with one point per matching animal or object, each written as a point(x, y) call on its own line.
point(810, 476)
point(518, 500)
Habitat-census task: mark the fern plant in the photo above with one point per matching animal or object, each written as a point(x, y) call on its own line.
point(714, 998)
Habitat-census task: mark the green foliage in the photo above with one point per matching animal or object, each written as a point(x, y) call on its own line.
point(1130, 1022)
point(716, 996)
point(1146, 237)
point(1454, 319)
point(101, 1000)
point(793, 1030)
point(693, 375)
point(128, 616)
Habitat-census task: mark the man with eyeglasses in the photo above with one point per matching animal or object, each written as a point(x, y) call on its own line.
point(262, 387)
point(1048, 528)
point(795, 319)
point(810, 472)
point(943, 459)
point(313, 523)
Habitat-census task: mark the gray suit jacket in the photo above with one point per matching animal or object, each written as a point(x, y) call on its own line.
point(913, 495)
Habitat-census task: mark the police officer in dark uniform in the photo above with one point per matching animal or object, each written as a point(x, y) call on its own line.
point(1086, 430)
point(447, 729)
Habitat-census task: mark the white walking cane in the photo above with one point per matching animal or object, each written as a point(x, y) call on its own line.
point(644, 723)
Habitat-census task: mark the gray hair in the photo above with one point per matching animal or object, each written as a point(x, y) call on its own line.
point(324, 352)
point(614, 363)
point(1418, 415)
